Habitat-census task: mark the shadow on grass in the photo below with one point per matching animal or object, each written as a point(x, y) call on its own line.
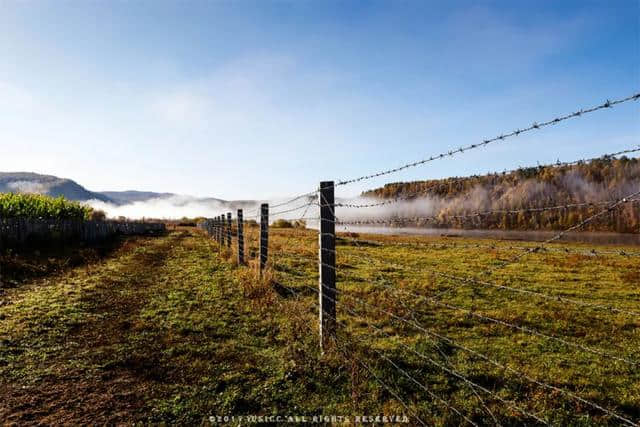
point(290, 291)
point(42, 259)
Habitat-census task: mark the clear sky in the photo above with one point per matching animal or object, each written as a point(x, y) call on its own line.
point(255, 99)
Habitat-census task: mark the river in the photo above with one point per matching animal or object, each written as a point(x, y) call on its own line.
point(597, 238)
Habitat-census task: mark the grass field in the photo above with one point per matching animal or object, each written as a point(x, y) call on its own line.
point(169, 329)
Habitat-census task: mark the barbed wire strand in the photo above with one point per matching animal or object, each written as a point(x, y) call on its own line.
point(443, 245)
point(401, 370)
point(532, 331)
point(556, 298)
point(445, 217)
point(496, 363)
point(452, 342)
point(292, 209)
point(452, 372)
point(520, 328)
point(502, 137)
point(612, 206)
point(628, 199)
point(351, 356)
point(449, 181)
point(286, 202)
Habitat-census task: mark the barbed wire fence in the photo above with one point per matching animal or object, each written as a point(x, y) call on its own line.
point(385, 322)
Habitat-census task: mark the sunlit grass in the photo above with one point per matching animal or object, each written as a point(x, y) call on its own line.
point(170, 329)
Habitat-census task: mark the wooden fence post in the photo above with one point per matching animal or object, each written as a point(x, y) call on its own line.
point(229, 229)
point(264, 235)
point(221, 233)
point(219, 236)
point(240, 238)
point(327, 266)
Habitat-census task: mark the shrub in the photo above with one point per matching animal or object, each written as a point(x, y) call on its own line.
point(97, 215)
point(282, 223)
point(300, 223)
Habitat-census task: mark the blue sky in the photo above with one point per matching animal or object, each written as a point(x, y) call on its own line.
point(257, 99)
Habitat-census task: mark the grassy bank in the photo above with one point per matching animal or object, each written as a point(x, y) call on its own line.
point(168, 329)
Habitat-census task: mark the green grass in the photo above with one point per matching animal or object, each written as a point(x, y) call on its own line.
point(169, 329)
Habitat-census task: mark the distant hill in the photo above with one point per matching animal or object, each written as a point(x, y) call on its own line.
point(129, 203)
point(453, 200)
point(28, 182)
point(131, 196)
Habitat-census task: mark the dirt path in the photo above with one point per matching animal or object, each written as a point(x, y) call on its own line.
point(60, 340)
point(164, 330)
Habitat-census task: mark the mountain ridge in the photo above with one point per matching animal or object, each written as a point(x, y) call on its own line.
point(50, 185)
point(31, 182)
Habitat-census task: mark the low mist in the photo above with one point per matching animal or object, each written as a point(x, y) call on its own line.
point(173, 207)
point(500, 194)
point(504, 196)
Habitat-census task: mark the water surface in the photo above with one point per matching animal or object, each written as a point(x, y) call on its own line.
point(595, 237)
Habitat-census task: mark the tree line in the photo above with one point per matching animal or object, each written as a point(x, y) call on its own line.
point(595, 181)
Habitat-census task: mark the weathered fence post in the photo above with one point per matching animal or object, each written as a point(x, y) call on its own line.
point(240, 238)
point(229, 229)
point(264, 235)
point(327, 258)
point(223, 229)
point(219, 234)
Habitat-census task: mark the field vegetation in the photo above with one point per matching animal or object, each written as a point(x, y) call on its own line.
point(170, 330)
point(36, 206)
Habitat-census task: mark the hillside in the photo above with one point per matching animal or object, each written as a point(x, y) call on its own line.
point(28, 182)
point(592, 182)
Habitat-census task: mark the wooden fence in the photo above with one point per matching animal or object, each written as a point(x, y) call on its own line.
point(18, 232)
